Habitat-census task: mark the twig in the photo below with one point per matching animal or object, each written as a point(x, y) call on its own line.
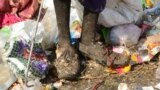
point(98, 85)
point(93, 77)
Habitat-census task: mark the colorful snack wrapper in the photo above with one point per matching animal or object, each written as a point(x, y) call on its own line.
point(76, 18)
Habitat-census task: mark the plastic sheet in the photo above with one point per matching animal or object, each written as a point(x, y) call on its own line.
point(119, 12)
point(50, 37)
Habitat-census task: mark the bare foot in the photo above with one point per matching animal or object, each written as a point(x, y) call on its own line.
point(67, 62)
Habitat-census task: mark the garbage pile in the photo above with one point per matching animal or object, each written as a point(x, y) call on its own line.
point(130, 31)
point(130, 28)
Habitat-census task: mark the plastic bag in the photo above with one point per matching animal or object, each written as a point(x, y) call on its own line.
point(50, 37)
point(127, 34)
point(153, 11)
point(18, 46)
point(109, 18)
point(76, 18)
point(37, 85)
point(119, 12)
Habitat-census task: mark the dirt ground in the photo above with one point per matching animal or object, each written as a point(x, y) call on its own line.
point(94, 77)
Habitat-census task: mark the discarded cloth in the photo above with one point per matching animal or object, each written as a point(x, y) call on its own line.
point(4, 6)
point(24, 8)
point(8, 19)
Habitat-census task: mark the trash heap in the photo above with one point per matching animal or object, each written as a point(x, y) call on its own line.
point(130, 31)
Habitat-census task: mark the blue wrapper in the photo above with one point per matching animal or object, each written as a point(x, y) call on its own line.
point(40, 67)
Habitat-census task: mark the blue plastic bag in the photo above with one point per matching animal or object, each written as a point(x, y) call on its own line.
point(153, 11)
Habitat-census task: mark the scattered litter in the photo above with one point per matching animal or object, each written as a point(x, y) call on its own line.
point(147, 4)
point(118, 35)
point(157, 86)
point(17, 48)
point(76, 18)
point(148, 88)
point(153, 39)
point(153, 32)
point(106, 35)
point(19, 85)
point(57, 84)
point(48, 87)
point(157, 74)
point(37, 85)
point(123, 86)
point(146, 55)
point(124, 24)
point(153, 11)
point(119, 50)
point(7, 77)
point(120, 70)
point(145, 27)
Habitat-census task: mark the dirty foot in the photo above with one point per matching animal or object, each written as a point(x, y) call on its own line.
point(67, 62)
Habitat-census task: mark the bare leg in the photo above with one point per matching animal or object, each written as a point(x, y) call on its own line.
point(94, 51)
point(89, 27)
point(67, 62)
